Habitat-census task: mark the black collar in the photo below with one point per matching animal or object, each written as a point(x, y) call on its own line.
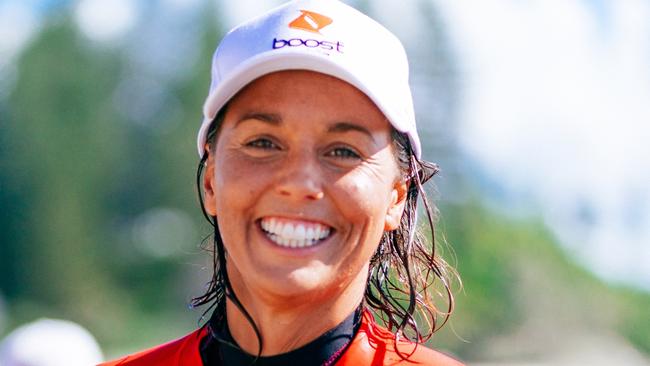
point(219, 348)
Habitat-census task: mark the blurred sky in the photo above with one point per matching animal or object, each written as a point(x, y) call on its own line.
point(554, 105)
point(555, 111)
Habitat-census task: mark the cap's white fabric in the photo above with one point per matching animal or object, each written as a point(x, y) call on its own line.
point(325, 36)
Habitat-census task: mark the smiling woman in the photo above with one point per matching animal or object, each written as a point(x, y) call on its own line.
point(310, 173)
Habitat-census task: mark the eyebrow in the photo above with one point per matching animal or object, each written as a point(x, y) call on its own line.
point(270, 118)
point(276, 119)
point(341, 127)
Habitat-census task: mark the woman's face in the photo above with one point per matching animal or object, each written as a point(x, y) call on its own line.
point(303, 182)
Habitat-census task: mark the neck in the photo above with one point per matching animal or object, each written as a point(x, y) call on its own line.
point(287, 323)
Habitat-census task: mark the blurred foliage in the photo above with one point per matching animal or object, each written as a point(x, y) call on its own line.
point(514, 274)
point(635, 323)
point(76, 177)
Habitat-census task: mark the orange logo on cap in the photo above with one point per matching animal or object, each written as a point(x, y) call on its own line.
point(310, 21)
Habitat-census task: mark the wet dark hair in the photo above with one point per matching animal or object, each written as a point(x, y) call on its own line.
point(407, 278)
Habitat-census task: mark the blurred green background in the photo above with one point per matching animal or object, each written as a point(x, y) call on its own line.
point(100, 224)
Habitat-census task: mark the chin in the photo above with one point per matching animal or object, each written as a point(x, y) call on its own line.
point(301, 282)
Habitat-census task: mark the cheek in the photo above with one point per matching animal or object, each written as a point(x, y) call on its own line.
point(362, 198)
point(235, 185)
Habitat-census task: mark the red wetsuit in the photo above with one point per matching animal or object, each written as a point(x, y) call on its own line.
point(372, 345)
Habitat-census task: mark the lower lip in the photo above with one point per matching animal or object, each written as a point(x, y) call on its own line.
point(306, 250)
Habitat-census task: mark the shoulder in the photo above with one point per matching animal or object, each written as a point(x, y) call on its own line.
point(180, 352)
point(374, 345)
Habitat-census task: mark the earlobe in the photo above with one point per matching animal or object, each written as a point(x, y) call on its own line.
point(396, 207)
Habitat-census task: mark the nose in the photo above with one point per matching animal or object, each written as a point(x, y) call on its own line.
point(300, 178)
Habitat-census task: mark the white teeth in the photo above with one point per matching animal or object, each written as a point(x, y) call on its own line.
point(309, 235)
point(324, 233)
point(299, 232)
point(287, 231)
point(294, 235)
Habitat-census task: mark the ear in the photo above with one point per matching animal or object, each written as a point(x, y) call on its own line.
point(396, 206)
point(209, 198)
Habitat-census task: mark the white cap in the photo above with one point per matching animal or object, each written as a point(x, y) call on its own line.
point(325, 36)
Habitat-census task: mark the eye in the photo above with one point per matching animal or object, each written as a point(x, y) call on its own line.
point(262, 143)
point(343, 153)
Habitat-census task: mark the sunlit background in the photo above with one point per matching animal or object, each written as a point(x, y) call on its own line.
point(538, 112)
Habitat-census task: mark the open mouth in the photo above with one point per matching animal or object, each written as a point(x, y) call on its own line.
point(294, 234)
